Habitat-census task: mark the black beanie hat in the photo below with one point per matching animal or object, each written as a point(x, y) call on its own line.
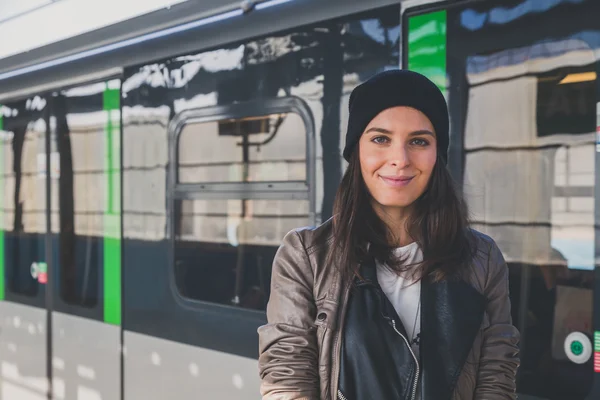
point(397, 88)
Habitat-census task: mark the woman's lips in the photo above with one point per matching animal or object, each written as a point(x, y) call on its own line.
point(397, 181)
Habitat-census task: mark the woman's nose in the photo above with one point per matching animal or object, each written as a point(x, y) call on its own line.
point(399, 156)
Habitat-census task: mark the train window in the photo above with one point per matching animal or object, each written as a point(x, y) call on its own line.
point(242, 185)
point(523, 109)
point(252, 149)
point(224, 248)
point(23, 140)
point(85, 186)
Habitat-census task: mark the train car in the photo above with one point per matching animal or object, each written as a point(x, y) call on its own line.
point(149, 170)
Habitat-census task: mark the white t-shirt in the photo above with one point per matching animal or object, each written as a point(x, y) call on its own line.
point(404, 293)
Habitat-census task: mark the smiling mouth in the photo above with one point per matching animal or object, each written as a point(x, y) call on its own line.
point(397, 181)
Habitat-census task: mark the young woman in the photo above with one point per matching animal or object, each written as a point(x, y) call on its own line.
point(395, 297)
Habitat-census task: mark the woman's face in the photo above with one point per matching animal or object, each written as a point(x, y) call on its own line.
point(397, 153)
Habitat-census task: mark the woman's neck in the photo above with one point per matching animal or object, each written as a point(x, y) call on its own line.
point(399, 237)
point(396, 219)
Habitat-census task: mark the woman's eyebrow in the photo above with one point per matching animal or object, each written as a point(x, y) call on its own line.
point(388, 132)
point(379, 130)
point(422, 132)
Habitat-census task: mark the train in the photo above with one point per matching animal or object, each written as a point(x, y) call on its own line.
point(150, 169)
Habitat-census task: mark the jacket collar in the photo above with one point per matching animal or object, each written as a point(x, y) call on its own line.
point(368, 272)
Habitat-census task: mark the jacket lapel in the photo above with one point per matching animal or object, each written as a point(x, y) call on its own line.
point(452, 312)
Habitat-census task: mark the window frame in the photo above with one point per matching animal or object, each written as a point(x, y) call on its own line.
point(265, 190)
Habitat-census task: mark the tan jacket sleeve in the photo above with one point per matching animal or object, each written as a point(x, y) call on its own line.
point(288, 360)
point(500, 351)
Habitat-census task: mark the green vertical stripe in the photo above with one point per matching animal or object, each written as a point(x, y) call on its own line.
point(1, 204)
point(112, 209)
point(427, 46)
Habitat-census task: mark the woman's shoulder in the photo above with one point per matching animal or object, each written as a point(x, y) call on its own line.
point(311, 238)
point(482, 244)
point(305, 249)
point(487, 260)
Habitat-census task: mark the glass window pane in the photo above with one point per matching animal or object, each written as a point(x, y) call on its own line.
point(145, 161)
point(267, 148)
point(224, 248)
point(85, 187)
point(529, 179)
point(24, 194)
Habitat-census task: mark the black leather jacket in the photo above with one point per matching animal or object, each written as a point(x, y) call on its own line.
point(376, 359)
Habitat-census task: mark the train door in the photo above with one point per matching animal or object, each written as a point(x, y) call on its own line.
point(60, 290)
point(239, 181)
point(521, 80)
point(24, 250)
point(85, 225)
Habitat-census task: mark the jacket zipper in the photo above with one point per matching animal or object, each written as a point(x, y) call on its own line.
point(341, 395)
point(416, 381)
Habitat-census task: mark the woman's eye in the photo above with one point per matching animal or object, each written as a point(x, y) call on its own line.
point(420, 142)
point(380, 139)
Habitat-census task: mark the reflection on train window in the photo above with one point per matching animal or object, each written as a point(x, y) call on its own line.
point(534, 194)
point(529, 160)
point(23, 136)
point(78, 187)
point(224, 248)
point(85, 187)
point(256, 149)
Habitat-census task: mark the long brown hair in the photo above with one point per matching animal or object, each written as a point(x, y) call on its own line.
point(438, 222)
